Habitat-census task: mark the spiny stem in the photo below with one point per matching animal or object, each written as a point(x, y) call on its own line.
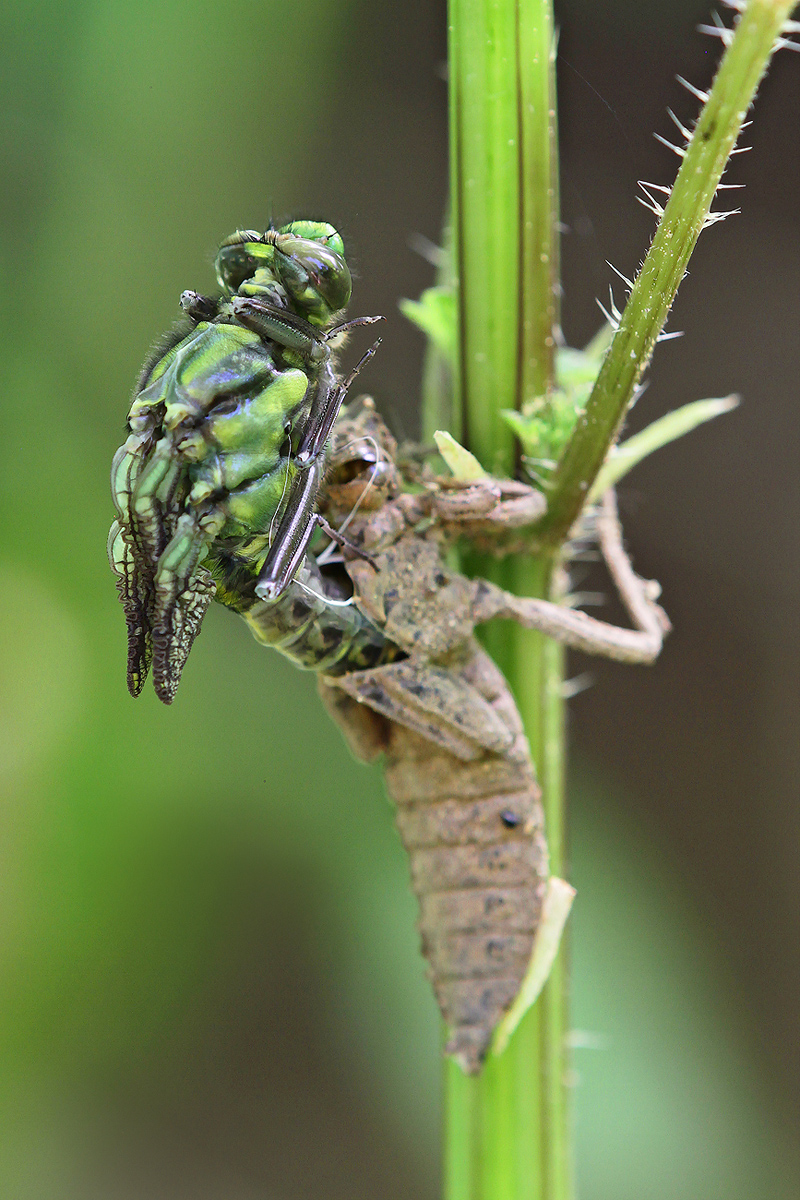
point(685, 215)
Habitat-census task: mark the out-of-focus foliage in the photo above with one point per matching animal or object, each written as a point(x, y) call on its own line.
point(209, 982)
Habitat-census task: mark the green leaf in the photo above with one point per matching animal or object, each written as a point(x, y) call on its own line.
point(666, 429)
point(574, 367)
point(435, 314)
point(463, 464)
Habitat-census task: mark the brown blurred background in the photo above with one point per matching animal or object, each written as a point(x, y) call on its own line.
point(209, 982)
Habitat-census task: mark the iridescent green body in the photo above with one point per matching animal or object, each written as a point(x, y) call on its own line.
point(312, 622)
point(217, 480)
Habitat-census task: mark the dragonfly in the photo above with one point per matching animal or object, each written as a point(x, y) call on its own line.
point(239, 450)
point(226, 439)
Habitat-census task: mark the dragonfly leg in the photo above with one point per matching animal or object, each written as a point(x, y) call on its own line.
point(326, 405)
point(342, 541)
point(300, 518)
point(200, 308)
point(293, 533)
point(294, 333)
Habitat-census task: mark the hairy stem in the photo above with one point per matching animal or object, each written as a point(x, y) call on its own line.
point(685, 215)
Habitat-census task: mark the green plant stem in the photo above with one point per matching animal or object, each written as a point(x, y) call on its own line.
point(539, 204)
point(506, 1130)
point(685, 215)
point(504, 190)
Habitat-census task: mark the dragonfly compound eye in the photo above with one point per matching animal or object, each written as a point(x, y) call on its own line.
point(239, 257)
point(314, 275)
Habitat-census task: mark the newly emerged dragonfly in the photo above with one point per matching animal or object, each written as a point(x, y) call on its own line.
point(219, 488)
point(227, 433)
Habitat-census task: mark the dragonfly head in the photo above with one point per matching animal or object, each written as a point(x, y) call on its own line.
point(304, 259)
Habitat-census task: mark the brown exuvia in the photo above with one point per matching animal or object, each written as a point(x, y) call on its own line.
point(479, 880)
point(456, 759)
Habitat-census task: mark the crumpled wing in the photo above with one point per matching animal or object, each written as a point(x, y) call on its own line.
point(154, 547)
point(136, 596)
point(179, 614)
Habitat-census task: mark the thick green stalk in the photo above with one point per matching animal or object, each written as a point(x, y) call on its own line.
point(507, 1132)
point(503, 197)
point(506, 1135)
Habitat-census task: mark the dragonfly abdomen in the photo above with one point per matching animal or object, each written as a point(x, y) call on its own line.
point(310, 624)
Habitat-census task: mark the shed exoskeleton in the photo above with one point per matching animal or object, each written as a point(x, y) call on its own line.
point(456, 760)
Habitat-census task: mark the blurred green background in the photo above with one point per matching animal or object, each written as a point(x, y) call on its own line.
point(209, 981)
